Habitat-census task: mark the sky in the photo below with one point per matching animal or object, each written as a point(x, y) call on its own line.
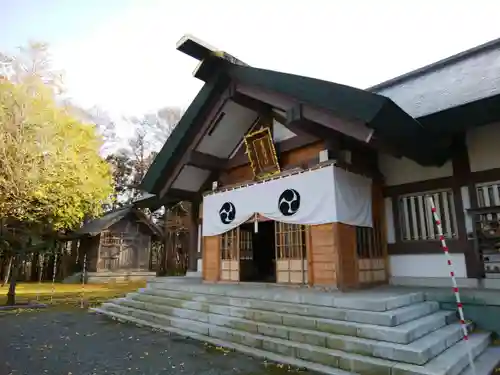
point(121, 56)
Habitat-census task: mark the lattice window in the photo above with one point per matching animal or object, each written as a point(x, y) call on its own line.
point(291, 266)
point(488, 195)
point(369, 241)
point(229, 245)
point(230, 263)
point(110, 239)
point(415, 215)
point(290, 241)
point(246, 249)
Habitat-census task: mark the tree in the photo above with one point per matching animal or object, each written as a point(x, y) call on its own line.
point(51, 173)
point(122, 170)
point(31, 64)
point(105, 125)
point(130, 164)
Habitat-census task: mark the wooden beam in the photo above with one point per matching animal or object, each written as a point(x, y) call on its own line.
point(251, 103)
point(183, 195)
point(198, 131)
point(297, 123)
point(194, 213)
point(462, 177)
point(206, 161)
point(207, 185)
point(267, 110)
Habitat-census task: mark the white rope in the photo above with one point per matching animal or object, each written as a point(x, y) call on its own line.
point(439, 227)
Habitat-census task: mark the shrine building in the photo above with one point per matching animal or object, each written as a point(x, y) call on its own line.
point(295, 180)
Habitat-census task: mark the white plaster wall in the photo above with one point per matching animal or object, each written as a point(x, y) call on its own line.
point(483, 144)
point(428, 265)
point(404, 171)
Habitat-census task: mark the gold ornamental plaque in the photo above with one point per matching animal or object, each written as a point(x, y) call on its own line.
point(261, 153)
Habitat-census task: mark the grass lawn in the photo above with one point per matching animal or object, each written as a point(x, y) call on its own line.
point(69, 295)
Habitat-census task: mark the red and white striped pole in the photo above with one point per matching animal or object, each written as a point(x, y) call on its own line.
point(439, 227)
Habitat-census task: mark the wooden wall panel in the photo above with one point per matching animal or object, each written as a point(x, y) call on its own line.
point(333, 260)
point(323, 255)
point(379, 215)
point(345, 244)
point(211, 258)
point(237, 175)
point(301, 155)
point(288, 159)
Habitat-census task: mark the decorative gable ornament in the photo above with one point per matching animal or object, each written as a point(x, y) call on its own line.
point(262, 153)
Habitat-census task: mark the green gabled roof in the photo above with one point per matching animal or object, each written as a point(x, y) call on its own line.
point(388, 120)
point(179, 138)
point(378, 112)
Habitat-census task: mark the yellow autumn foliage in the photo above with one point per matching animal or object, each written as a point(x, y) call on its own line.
point(50, 168)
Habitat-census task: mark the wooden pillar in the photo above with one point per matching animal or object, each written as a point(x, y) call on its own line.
point(194, 214)
point(211, 259)
point(347, 265)
point(164, 259)
point(462, 177)
point(322, 262)
point(332, 255)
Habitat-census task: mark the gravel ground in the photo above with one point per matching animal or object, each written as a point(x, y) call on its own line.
point(80, 343)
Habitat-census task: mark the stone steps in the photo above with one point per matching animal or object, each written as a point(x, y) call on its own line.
point(385, 318)
point(366, 301)
point(418, 352)
point(370, 332)
point(450, 362)
point(230, 345)
point(429, 320)
point(486, 363)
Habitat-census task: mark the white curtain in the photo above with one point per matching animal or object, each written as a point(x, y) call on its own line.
point(324, 195)
point(353, 198)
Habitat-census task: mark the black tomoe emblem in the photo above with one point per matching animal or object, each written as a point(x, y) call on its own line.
point(227, 213)
point(289, 202)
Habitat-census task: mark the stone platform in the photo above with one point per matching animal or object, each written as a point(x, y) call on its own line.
point(381, 331)
point(104, 277)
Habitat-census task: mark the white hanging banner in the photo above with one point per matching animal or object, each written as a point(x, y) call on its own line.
point(226, 210)
point(319, 196)
point(353, 198)
point(302, 198)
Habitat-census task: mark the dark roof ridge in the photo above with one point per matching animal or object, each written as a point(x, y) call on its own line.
point(436, 65)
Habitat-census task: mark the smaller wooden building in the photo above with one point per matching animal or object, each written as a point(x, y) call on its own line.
point(119, 241)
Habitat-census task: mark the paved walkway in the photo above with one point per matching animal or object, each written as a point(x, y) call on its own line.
point(80, 343)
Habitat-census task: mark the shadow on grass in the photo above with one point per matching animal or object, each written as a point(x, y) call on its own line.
point(65, 296)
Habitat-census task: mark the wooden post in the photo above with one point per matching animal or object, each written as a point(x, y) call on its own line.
point(193, 236)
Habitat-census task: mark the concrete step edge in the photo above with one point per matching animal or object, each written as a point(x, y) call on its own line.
point(454, 359)
point(485, 363)
point(347, 361)
point(388, 318)
point(365, 330)
point(292, 296)
point(418, 352)
point(322, 369)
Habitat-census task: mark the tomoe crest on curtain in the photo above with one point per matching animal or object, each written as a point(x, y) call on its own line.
point(289, 202)
point(227, 213)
